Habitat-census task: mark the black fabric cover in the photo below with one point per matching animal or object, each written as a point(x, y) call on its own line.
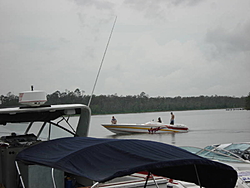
point(104, 159)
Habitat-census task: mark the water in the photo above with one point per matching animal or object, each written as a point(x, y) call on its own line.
point(206, 127)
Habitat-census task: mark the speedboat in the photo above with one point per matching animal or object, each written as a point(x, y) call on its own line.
point(149, 127)
point(233, 154)
point(241, 149)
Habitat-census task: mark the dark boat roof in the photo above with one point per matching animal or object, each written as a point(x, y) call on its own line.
point(104, 159)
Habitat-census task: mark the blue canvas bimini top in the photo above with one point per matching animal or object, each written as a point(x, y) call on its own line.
point(104, 159)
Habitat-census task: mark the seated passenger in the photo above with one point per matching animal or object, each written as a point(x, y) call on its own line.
point(113, 120)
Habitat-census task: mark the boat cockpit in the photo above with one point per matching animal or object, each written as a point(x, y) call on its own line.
point(22, 127)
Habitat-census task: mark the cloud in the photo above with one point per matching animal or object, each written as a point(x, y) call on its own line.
point(95, 3)
point(164, 48)
point(231, 41)
point(159, 9)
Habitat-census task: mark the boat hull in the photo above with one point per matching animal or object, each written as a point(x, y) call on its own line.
point(144, 128)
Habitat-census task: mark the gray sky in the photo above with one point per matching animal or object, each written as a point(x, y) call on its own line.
point(160, 47)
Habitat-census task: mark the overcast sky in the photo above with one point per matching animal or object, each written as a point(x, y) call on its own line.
point(160, 47)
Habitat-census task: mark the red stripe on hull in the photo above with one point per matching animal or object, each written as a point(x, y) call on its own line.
point(177, 128)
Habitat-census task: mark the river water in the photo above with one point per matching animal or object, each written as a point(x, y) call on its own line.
point(206, 127)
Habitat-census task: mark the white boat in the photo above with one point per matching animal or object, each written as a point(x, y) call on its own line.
point(235, 155)
point(149, 127)
point(102, 160)
point(33, 123)
point(232, 154)
point(241, 149)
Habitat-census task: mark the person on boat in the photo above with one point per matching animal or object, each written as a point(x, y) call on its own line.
point(172, 119)
point(159, 120)
point(113, 120)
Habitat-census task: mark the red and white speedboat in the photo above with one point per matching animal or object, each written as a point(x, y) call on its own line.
point(149, 127)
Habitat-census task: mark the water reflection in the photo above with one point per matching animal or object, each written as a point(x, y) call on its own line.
point(168, 138)
point(173, 138)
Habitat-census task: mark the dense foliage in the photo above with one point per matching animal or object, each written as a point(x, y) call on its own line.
point(9, 100)
point(248, 102)
point(111, 104)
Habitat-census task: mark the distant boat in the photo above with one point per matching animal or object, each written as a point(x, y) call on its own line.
point(149, 127)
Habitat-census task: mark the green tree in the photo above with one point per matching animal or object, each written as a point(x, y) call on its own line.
point(112, 104)
point(248, 102)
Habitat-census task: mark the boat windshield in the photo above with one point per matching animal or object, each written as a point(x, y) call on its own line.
point(61, 127)
point(210, 152)
point(191, 149)
point(240, 146)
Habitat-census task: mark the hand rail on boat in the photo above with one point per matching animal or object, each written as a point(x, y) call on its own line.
point(19, 174)
point(145, 185)
point(53, 178)
point(196, 172)
point(149, 174)
point(95, 185)
point(21, 177)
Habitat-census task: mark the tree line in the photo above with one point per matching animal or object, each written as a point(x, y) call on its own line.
point(113, 104)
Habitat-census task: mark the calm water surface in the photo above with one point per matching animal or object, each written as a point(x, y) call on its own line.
point(206, 127)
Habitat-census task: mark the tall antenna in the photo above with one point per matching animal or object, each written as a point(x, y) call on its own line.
point(102, 62)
